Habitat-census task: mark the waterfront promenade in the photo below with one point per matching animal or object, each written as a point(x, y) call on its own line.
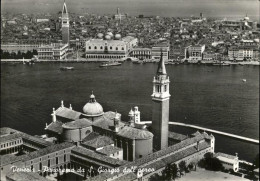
point(254, 141)
point(83, 60)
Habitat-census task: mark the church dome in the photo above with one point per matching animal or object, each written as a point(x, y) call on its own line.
point(100, 35)
point(117, 36)
point(107, 37)
point(110, 34)
point(93, 108)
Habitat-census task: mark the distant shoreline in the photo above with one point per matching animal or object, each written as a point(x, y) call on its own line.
point(93, 60)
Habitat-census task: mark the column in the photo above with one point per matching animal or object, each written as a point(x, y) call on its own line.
point(127, 150)
point(121, 146)
point(115, 142)
point(133, 149)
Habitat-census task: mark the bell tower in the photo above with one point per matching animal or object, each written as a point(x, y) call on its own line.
point(65, 24)
point(160, 114)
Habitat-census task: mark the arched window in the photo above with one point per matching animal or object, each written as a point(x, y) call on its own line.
point(101, 47)
point(89, 47)
point(122, 48)
point(116, 48)
point(110, 48)
point(95, 47)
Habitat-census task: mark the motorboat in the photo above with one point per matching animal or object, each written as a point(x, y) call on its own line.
point(66, 68)
point(108, 64)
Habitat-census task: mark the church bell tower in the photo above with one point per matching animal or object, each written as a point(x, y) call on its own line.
point(65, 24)
point(160, 115)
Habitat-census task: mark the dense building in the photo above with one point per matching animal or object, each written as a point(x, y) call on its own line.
point(228, 161)
point(65, 25)
point(55, 51)
point(241, 53)
point(109, 47)
point(141, 53)
point(158, 48)
point(15, 47)
point(194, 53)
point(119, 16)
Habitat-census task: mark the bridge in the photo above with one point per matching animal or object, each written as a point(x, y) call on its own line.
point(211, 131)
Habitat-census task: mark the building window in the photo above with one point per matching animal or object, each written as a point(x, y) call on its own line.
point(116, 48)
point(122, 48)
point(49, 163)
point(165, 88)
point(31, 167)
point(57, 160)
point(110, 48)
point(64, 158)
point(101, 47)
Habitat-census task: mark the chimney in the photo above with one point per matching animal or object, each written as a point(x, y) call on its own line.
point(53, 115)
point(70, 107)
point(116, 123)
point(62, 105)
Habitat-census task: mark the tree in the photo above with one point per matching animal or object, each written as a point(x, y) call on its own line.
point(170, 172)
point(182, 166)
point(155, 177)
point(190, 166)
point(210, 163)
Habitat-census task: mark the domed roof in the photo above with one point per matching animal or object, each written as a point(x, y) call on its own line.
point(117, 36)
point(131, 113)
point(110, 34)
point(107, 37)
point(100, 35)
point(93, 108)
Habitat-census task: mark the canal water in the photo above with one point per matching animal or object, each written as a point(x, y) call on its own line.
point(209, 96)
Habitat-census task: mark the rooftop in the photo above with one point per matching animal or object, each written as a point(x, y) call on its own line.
point(55, 127)
point(108, 150)
point(134, 133)
point(98, 142)
point(97, 157)
point(22, 176)
point(79, 123)
point(67, 113)
point(177, 136)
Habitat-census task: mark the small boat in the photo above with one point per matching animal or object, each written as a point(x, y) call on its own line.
point(66, 68)
point(222, 64)
point(108, 64)
point(139, 62)
point(34, 59)
point(244, 80)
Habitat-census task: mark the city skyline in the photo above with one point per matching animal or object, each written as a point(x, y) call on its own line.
point(214, 8)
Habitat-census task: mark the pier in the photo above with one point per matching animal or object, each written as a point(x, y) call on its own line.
point(254, 141)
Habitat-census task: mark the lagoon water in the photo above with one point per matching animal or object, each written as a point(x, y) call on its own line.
point(208, 96)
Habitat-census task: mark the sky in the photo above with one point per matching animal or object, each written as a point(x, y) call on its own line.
point(168, 8)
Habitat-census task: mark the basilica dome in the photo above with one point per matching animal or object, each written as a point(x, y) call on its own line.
point(100, 35)
point(117, 36)
point(93, 108)
point(107, 37)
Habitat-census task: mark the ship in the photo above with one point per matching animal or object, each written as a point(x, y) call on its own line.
point(66, 68)
point(108, 64)
point(221, 63)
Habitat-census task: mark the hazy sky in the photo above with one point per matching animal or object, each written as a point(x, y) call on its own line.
point(220, 8)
